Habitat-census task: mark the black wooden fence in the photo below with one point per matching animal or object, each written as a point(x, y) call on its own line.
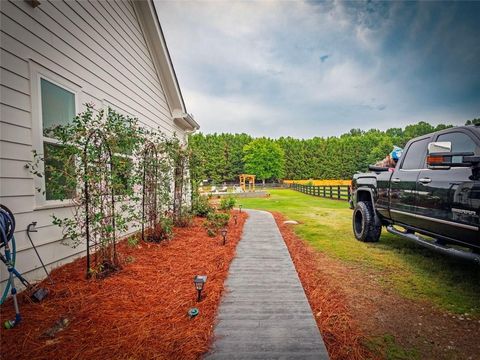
point(338, 192)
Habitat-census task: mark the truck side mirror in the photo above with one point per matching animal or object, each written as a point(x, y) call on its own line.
point(434, 158)
point(446, 160)
point(439, 147)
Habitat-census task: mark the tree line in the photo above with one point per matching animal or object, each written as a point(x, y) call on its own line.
point(222, 157)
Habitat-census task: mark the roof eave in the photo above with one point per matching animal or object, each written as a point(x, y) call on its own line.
point(148, 18)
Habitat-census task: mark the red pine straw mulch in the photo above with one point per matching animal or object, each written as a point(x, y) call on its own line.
point(339, 331)
point(139, 312)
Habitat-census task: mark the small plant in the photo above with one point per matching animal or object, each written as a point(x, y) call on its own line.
point(211, 232)
point(132, 241)
point(163, 230)
point(227, 203)
point(215, 222)
point(201, 207)
point(184, 217)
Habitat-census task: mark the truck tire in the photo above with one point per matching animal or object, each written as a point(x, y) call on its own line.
point(366, 224)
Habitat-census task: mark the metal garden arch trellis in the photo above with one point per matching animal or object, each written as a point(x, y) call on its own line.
point(150, 187)
point(99, 193)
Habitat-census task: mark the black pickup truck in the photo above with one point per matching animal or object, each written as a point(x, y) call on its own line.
point(432, 196)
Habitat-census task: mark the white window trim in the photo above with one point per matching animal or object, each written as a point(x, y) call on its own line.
point(38, 72)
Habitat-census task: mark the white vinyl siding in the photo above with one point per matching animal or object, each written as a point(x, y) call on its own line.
point(100, 48)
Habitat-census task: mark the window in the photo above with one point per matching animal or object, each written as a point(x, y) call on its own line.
point(58, 108)
point(415, 156)
point(122, 170)
point(461, 142)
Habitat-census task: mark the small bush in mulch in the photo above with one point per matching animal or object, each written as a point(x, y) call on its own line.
point(139, 312)
point(215, 222)
point(227, 203)
point(340, 333)
point(201, 206)
point(161, 231)
point(184, 219)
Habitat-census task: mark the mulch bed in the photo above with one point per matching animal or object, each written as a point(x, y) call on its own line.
point(341, 334)
point(139, 312)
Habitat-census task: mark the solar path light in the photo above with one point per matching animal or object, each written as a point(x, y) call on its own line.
point(199, 281)
point(240, 206)
point(224, 234)
point(235, 217)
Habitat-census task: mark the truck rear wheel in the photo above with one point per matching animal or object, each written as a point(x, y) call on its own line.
point(366, 224)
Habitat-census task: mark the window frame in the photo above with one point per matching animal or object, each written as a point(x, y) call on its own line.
point(37, 73)
point(466, 133)
point(106, 103)
point(404, 156)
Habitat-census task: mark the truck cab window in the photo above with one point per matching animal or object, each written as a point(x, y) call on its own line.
point(415, 156)
point(461, 142)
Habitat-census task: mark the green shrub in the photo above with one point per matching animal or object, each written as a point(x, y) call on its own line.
point(227, 203)
point(201, 206)
point(216, 221)
point(163, 230)
point(185, 218)
point(132, 241)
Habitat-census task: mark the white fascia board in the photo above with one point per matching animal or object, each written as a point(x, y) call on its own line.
point(147, 15)
point(184, 120)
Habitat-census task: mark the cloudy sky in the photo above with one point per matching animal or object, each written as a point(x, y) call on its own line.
point(305, 69)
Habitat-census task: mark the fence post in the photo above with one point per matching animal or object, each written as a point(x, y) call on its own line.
point(338, 192)
point(331, 194)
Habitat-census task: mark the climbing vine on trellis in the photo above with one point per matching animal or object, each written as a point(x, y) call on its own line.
point(118, 176)
point(181, 209)
point(156, 189)
point(99, 204)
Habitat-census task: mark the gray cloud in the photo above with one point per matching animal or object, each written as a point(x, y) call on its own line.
point(260, 67)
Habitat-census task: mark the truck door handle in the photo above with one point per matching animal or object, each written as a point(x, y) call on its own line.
point(396, 180)
point(425, 180)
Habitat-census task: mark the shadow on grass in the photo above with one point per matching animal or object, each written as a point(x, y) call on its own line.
point(436, 273)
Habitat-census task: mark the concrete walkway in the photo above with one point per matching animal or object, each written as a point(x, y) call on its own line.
point(265, 313)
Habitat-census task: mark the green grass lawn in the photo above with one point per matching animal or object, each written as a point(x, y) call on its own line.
point(414, 272)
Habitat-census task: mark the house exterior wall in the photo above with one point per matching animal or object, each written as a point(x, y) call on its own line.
point(95, 49)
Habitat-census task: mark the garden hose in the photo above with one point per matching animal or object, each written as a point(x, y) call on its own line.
point(7, 229)
point(7, 287)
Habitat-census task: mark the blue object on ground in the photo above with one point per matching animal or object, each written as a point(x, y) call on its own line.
point(193, 312)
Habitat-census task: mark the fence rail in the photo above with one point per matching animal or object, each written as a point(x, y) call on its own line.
point(339, 192)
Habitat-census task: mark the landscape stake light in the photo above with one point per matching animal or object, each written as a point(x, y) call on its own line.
point(224, 234)
point(240, 206)
point(199, 281)
point(235, 218)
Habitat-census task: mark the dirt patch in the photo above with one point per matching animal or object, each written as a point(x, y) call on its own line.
point(139, 312)
point(360, 318)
